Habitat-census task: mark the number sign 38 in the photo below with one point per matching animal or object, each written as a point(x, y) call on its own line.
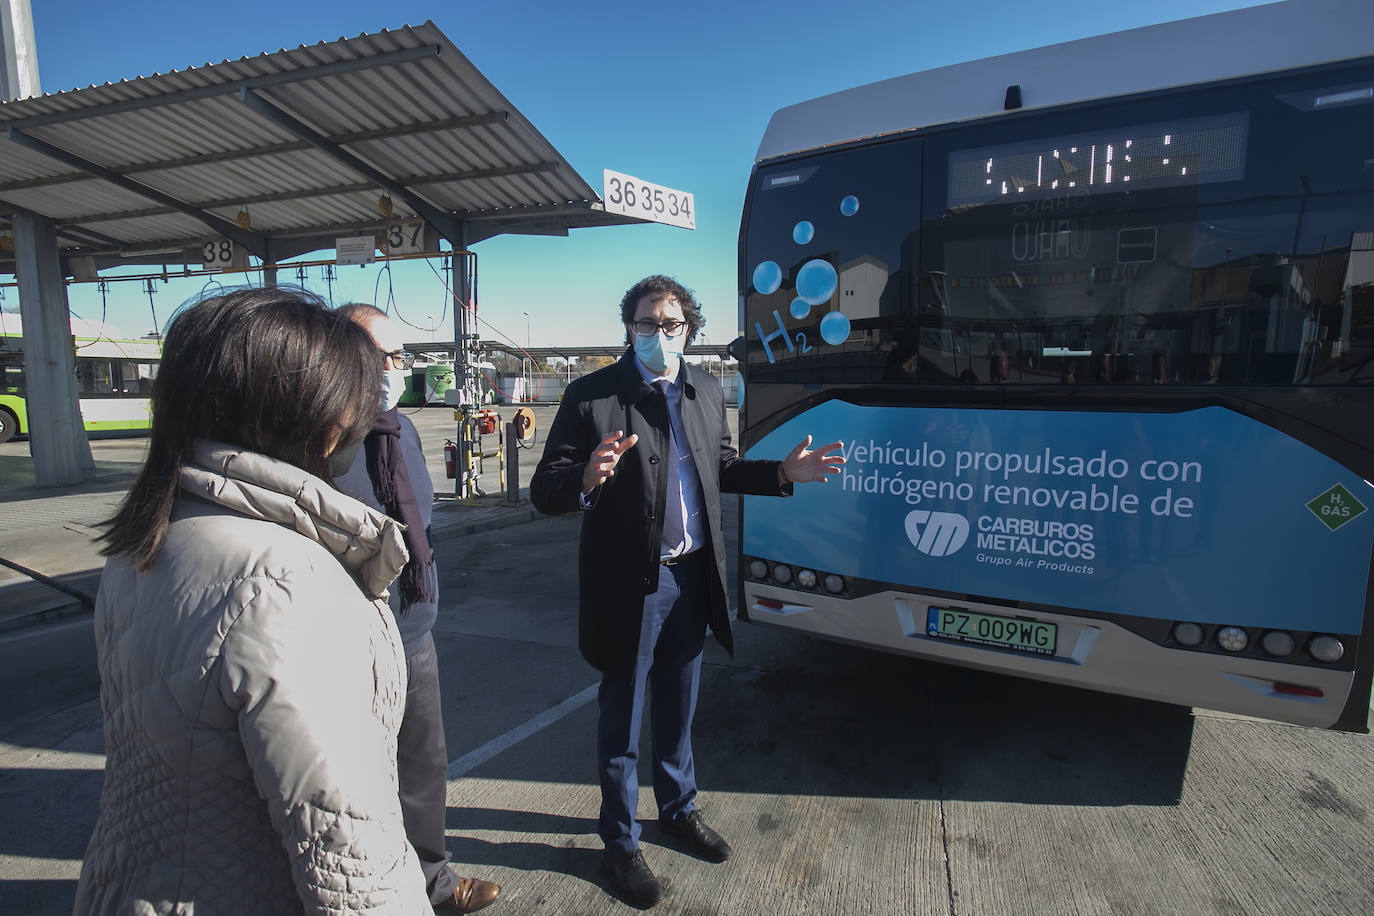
point(630, 196)
point(218, 253)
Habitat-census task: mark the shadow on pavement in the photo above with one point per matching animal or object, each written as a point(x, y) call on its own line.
point(521, 821)
point(821, 719)
point(37, 898)
point(577, 862)
point(16, 479)
point(837, 720)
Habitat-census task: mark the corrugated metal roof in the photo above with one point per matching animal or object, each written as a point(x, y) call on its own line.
point(305, 142)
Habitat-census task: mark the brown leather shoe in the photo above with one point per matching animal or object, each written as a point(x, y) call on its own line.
point(470, 895)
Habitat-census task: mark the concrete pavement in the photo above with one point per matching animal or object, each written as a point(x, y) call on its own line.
point(53, 531)
point(848, 782)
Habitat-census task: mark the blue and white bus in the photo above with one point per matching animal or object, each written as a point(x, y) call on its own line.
point(1095, 323)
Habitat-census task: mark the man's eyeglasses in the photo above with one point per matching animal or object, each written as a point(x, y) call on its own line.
point(646, 328)
point(400, 359)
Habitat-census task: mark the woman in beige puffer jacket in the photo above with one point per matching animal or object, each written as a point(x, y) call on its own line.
point(251, 672)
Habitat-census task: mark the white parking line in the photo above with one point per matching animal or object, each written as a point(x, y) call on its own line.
point(473, 759)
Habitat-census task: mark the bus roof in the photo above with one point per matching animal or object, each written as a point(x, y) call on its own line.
point(90, 341)
point(98, 348)
point(12, 325)
point(1247, 42)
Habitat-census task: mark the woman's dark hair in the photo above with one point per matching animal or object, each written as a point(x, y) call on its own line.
point(273, 371)
point(661, 287)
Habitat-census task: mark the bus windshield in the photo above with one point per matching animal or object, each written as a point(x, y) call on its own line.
point(1172, 240)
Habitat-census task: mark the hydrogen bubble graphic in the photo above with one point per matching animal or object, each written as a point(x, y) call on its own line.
point(850, 205)
point(816, 281)
point(803, 232)
point(800, 308)
point(835, 328)
point(767, 277)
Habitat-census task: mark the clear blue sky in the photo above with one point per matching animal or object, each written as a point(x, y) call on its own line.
point(678, 94)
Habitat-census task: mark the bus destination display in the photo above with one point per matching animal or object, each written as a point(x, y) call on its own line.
point(1195, 151)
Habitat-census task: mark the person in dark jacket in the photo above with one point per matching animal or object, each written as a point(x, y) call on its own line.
point(389, 474)
point(641, 448)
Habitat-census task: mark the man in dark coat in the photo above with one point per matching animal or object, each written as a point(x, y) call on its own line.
point(642, 449)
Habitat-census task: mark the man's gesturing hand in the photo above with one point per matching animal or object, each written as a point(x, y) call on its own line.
point(803, 466)
point(601, 466)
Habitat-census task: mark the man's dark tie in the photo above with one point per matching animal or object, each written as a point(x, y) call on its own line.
point(672, 512)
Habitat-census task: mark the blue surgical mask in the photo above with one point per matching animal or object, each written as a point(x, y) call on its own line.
point(659, 351)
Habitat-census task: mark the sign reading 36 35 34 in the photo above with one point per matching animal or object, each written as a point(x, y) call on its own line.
point(631, 196)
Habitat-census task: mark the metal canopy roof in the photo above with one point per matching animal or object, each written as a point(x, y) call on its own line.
point(307, 143)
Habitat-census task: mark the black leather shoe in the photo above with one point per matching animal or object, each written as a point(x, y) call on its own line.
point(699, 838)
point(631, 878)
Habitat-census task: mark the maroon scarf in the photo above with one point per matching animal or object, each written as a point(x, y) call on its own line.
point(386, 466)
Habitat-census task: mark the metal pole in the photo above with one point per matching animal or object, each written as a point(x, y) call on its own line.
point(85, 598)
point(459, 273)
point(18, 51)
point(464, 364)
point(512, 464)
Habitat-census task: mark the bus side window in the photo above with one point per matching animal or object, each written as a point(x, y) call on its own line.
point(93, 376)
point(129, 381)
point(145, 372)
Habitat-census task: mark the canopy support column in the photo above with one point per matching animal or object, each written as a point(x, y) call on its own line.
point(57, 437)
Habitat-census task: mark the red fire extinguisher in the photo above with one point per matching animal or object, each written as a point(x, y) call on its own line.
point(450, 459)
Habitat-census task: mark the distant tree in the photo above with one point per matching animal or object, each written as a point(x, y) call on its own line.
point(505, 363)
point(588, 364)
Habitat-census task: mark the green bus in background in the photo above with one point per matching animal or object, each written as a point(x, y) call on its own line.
point(114, 381)
point(427, 384)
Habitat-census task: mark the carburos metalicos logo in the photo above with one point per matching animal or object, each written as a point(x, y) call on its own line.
point(937, 534)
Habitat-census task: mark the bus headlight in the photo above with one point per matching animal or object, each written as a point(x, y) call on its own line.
point(834, 584)
point(1188, 634)
point(1326, 649)
point(1232, 639)
point(806, 578)
point(758, 569)
point(1278, 643)
point(782, 574)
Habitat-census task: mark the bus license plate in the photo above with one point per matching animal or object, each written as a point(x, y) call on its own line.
point(1033, 636)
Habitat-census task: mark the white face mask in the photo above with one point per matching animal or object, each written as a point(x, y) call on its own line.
point(393, 387)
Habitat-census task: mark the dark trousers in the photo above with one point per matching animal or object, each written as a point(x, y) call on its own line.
point(422, 765)
point(668, 663)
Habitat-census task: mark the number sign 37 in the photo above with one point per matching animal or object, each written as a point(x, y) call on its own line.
point(407, 237)
point(630, 196)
